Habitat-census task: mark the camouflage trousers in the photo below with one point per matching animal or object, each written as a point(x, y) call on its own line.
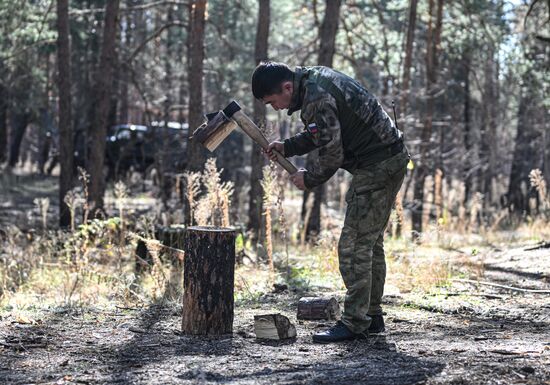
point(361, 247)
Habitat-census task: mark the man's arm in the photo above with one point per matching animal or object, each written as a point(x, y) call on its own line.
point(324, 132)
point(299, 144)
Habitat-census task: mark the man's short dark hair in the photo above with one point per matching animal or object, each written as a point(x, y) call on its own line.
point(268, 78)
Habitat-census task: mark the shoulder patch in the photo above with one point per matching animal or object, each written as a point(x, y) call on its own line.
point(312, 128)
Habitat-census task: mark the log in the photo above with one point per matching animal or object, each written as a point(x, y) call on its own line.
point(171, 240)
point(143, 258)
point(173, 237)
point(312, 308)
point(273, 327)
point(208, 281)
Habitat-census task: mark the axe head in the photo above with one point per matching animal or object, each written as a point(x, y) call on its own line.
point(216, 128)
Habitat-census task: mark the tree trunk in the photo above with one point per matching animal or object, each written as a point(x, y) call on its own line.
point(102, 98)
point(19, 123)
point(257, 159)
point(83, 105)
point(327, 33)
point(408, 56)
point(196, 155)
point(208, 281)
point(526, 157)
point(112, 118)
point(313, 222)
point(405, 83)
point(65, 129)
point(3, 123)
point(468, 140)
point(490, 111)
point(164, 172)
point(423, 168)
point(327, 41)
point(546, 155)
point(181, 43)
point(47, 125)
point(125, 73)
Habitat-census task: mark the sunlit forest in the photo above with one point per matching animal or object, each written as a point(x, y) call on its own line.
point(118, 226)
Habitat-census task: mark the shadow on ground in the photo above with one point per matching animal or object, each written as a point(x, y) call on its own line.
point(160, 354)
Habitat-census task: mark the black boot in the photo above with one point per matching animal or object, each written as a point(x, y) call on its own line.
point(338, 333)
point(377, 324)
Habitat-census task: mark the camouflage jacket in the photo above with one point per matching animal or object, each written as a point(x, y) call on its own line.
point(344, 120)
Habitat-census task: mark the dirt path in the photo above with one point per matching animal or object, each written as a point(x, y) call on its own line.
point(470, 335)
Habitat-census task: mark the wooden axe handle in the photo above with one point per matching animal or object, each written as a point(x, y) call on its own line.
point(256, 135)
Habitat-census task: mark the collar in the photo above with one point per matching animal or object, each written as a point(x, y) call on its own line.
point(297, 91)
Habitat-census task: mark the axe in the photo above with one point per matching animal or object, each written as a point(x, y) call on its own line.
point(220, 124)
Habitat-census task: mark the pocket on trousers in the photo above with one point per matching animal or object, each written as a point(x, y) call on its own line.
point(397, 164)
point(362, 190)
point(372, 211)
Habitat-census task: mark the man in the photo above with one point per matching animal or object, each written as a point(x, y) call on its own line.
point(352, 132)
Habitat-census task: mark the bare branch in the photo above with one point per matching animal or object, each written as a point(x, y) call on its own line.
point(531, 6)
point(233, 47)
point(78, 12)
point(382, 21)
point(152, 36)
point(27, 47)
point(315, 15)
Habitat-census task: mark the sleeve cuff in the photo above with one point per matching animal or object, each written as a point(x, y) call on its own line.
point(308, 182)
point(289, 149)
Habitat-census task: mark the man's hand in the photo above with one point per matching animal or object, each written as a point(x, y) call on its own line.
point(298, 179)
point(277, 146)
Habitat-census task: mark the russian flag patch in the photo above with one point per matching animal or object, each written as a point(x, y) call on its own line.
point(312, 128)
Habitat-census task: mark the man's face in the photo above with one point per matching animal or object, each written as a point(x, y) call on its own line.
point(281, 100)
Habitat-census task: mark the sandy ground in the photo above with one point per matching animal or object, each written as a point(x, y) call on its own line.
point(467, 334)
point(470, 335)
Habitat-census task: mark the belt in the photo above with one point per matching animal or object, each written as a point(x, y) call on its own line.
point(386, 153)
point(396, 147)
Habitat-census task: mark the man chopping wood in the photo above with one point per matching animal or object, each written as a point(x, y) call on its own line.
point(352, 131)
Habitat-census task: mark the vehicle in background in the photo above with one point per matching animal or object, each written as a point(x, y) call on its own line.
point(125, 148)
point(138, 146)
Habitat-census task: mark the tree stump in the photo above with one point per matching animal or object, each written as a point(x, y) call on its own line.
point(311, 308)
point(208, 281)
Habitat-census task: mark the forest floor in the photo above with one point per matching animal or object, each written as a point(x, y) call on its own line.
point(462, 333)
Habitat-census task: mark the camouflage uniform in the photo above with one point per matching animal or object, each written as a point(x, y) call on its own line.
point(353, 132)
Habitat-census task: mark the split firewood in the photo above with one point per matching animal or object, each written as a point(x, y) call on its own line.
point(273, 327)
point(311, 308)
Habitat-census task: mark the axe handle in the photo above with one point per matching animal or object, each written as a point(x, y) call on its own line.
point(256, 135)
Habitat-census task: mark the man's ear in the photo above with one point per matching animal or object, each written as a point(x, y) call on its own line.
point(288, 86)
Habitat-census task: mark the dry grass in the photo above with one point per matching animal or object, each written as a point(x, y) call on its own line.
point(213, 207)
point(269, 186)
point(92, 264)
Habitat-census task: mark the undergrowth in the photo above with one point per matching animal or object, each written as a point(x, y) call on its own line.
point(92, 264)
